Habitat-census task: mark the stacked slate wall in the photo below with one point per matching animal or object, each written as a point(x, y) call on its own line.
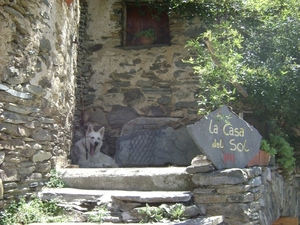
point(257, 195)
point(38, 54)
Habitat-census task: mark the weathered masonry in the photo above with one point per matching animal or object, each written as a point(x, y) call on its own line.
point(38, 62)
point(64, 66)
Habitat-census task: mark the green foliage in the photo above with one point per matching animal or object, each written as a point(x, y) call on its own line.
point(249, 57)
point(163, 212)
point(284, 153)
point(217, 71)
point(149, 33)
point(54, 180)
point(173, 212)
point(265, 146)
point(34, 211)
point(101, 213)
point(151, 214)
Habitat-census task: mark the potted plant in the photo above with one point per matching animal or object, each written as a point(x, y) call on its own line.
point(262, 158)
point(146, 37)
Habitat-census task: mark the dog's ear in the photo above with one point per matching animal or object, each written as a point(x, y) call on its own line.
point(90, 129)
point(101, 131)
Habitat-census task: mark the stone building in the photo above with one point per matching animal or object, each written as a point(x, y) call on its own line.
point(65, 64)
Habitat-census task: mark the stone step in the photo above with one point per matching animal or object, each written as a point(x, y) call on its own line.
point(121, 204)
point(213, 220)
point(131, 179)
point(100, 197)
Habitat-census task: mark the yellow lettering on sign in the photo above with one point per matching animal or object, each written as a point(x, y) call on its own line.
point(218, 144)
point(241, 147)
point(213, 129)
point(228, 130)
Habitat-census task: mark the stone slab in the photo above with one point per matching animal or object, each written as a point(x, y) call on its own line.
point(227, 140)
point(209, 220)
point(79, 195)
point(229, 176)
point(152, 142)
point(138, 179)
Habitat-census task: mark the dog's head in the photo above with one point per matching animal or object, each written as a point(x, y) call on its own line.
point(94, 139)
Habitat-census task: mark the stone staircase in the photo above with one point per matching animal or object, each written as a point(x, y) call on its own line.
point(123, 191)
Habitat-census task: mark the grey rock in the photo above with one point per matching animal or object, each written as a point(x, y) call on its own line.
point(144, 144)
point(99, 117)
point(143, 83)
point(139, 179)
point(22, 95)
point(133, 97)
point(200, 169)
point(120, 115)
point(156, 91)
point(10, 185)
point(255, 182)
point(9, 174)
point(164, 100)
point(125, 206)
point(26, 170)
point(14, 118)
point(153, 111)
point(46, 120)
point(42, 135)
point(192, 211)
point(232, 212)
point(12, 144)
point(232, 189)
point(14, 130)
point(20, 109)
point(153, 197)
point(246, 197)
point(43, 167)
point(13, 12)
point(147, 123)
point(45, 45)
point(192, 104)
point(228, 176)
point(36, 90)
point(41, 156)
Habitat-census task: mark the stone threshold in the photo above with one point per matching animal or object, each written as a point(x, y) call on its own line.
point(137, 179)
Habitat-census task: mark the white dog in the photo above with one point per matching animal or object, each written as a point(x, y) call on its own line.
point(86, 152)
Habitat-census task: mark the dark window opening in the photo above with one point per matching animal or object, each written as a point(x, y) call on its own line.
point(142, 18)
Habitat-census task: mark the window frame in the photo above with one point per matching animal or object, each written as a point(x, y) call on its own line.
point(162, 29)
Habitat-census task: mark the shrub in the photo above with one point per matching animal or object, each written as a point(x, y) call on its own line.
point(55, 181)
point(33, 211)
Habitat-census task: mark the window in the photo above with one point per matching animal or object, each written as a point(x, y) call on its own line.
point(144, 17)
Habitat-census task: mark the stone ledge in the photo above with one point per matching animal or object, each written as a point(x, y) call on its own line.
point(74, 195)
point(137, 179)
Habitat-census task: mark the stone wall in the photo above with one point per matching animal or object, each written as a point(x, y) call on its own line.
point(117, 84)
point(257, 195)
point(38, 54)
